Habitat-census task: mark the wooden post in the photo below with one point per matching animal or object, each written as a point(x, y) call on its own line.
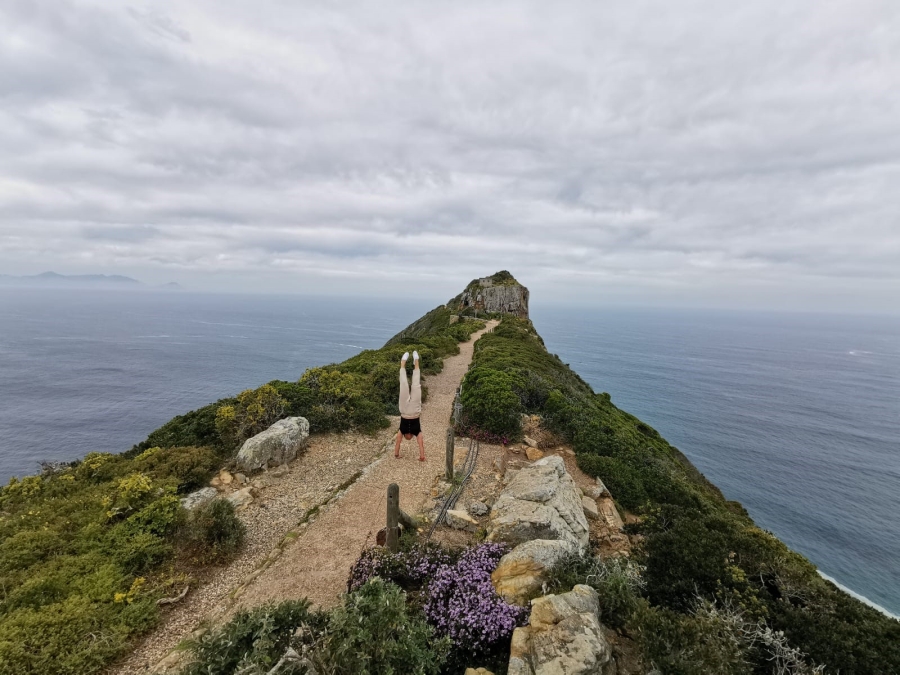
point(451, 444)
point(392, 538)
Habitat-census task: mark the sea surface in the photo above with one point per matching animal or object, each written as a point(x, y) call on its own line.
point(797, 416)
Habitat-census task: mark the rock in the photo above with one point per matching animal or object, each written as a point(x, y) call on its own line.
point(276, 445)
point(540, 501)
point(280, 471)
point(600, 485)
point(225, 478)
point(478, 508)
point(240, 498)
point(494, 294)
point(590, 508)
point(195, 499)
point(241, 478)
point(564, 637)
point(478, 671)
point(215, 482)
point(522, 572)
point(594, 492)
point(453, 319)
point(460, 520)
point(608, 513)
point(531, 443)
point(533, 454)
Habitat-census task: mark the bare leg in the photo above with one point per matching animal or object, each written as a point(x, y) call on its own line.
point(397, 445)
point(421, 440)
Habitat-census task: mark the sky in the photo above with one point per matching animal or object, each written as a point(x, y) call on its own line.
point(670, 153)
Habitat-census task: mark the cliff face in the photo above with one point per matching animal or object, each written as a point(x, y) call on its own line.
point(499, 293)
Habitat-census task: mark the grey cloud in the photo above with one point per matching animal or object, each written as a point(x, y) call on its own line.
point(692, 145)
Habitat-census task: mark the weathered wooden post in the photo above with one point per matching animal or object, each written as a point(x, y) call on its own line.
point(451, 444)
point(392, 537)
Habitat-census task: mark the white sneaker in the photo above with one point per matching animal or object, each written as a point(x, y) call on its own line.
point(415, 356)
point(405, 356)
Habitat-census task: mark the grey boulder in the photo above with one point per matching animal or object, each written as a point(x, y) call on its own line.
point(276, 445)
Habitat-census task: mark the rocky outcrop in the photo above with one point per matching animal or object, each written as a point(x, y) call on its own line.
point(540, 512)
point(499, 293)
point(540, 502)
point(564, 637)
point(276, 445)
point(521, 573)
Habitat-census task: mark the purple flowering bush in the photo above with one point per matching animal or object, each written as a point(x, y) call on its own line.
point(410, 569)
point(453, 591)
point(461, 603)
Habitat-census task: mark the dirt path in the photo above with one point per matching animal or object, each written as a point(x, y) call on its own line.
point(317, 563)
point(307, 531)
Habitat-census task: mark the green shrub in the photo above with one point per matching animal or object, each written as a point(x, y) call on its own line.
point(490, 403)
point(623, 482)
point(254, 640)
point(215, 530)
point(190, 467)
point(255, 411)
point(368, 416)
point(373, 634)
point(71, 637)
point(678, 644)
point(196, 428)
point(617, 580)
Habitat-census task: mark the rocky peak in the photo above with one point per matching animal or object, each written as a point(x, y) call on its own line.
point(499, 293)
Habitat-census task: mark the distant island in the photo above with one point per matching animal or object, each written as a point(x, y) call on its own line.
point(54, 280)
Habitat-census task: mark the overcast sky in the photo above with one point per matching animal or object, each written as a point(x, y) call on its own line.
point(689, 152)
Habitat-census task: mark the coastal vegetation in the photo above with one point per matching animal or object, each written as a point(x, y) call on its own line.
point(426, 609)
point(713, 586)
point(89, 548)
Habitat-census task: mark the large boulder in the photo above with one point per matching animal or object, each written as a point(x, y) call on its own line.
point(564, 637)
point(276, 445)
point(521, 573)
point(540, 502)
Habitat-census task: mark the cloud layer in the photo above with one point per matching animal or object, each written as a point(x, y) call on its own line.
point(688, 152)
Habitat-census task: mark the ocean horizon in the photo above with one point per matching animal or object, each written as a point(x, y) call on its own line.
point(797, 416)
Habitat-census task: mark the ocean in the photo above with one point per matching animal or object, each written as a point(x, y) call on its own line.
point(797, 416)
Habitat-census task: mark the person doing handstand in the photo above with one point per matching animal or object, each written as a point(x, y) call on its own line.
point(410, 407)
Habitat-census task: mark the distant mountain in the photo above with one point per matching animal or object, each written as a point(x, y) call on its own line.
point(54, 280)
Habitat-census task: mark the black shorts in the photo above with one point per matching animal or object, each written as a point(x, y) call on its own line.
point(410, 426)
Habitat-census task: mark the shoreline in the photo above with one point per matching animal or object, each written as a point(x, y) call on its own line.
point(857, 596)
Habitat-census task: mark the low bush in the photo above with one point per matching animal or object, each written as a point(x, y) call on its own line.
point(461, 603)
point(255, 640)
point(190, 467)
point(372, 633)
point(623, 481)
point(490, 402)
point(410, 569)
point(618, 581)
point(214, 530)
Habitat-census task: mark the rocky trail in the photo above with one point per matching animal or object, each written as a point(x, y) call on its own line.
point(310, 521)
